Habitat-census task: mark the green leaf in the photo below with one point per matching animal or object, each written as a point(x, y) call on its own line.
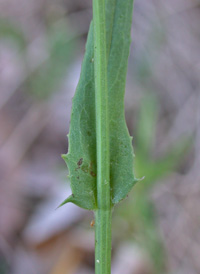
point(81, 157)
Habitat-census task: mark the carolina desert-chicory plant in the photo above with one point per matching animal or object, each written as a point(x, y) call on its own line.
point(100, 154)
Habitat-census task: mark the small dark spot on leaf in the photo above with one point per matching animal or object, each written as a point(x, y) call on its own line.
point(89, 133)
point(92, 173)
point(79, 163)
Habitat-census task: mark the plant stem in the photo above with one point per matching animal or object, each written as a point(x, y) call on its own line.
point(103, 212)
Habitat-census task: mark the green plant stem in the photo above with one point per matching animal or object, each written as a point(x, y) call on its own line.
point(103, 212)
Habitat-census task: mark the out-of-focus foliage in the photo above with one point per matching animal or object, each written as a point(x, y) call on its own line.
point(61, 47)
point(60, 43)
point(147, 164)
point(13, 33)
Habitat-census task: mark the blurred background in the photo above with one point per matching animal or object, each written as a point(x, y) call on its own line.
point(156, 230)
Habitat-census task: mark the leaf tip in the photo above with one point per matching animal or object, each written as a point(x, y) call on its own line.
point(136, 180)
point(65, 157)
point(68, 200)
